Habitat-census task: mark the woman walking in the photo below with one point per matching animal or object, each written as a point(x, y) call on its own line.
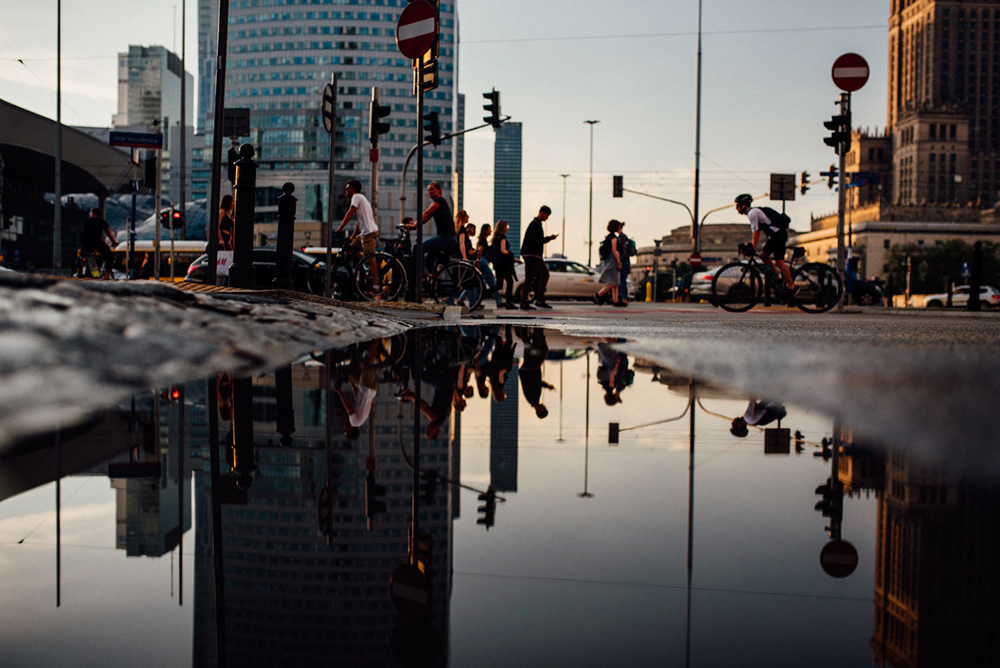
point(483, 253)
point(503, 262)
point(612, 265)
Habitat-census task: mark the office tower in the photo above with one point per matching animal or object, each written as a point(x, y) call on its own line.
point(280, 58)
point(503, 436)
point(944, 117)
point(507, 181)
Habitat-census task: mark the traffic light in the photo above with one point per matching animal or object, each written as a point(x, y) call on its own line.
point(376, 126)
point(428, 485)
point(149, 178)
point(617, 186)
point(840, 132)
point(489, 509)
point(374, 503)
point(172, 219)
point(832, 503)
point(830, 176)
point(433, 128)
point(803, 183)
point(494, 108)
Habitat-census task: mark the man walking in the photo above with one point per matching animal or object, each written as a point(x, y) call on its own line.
point(536, 274)
point(95, 229)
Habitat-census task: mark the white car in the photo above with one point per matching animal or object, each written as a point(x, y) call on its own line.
point(988, 297)
point(567, 280)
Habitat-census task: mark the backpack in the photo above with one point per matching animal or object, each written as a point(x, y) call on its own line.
point(630, 249)
point(775, 218)
point(604, 250)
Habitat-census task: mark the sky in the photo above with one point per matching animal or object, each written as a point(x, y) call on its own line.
point(766, 89)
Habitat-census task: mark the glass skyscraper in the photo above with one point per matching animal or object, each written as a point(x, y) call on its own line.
point(281, 55)
point(507, 181)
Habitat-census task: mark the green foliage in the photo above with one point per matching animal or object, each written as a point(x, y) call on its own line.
point(932, 266)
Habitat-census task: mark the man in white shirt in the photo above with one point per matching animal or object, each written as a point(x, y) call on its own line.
point(365, 231)
point(773, 252)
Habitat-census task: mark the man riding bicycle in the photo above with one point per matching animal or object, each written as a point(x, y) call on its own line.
point(773, 252)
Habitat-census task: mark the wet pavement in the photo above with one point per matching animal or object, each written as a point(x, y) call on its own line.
point(557, 500)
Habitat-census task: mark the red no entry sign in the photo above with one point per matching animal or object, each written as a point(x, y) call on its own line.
point(850, 72)
point(416, 29)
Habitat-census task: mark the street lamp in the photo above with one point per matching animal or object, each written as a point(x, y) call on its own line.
point(564, 215)
point(590, 215)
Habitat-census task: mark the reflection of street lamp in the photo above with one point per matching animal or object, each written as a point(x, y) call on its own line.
point(586, 437)
point(564, 215)
point(590, 215)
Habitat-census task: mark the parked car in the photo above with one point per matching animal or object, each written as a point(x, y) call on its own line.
point(988, 297)
point(866, 293)
point(701, 283)
point(308, 273)
point(567, 280)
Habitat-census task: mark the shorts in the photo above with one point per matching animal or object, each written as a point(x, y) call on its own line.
point(774, 248)
point(366, 242)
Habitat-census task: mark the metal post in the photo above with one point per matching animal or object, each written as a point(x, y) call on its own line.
point(57, 211)
point(216, 177)
point(418, 248)
point(286, 228)
point(242, 273)
point(695, 241)
point(331, 197)
point(159, 194)
point(373, 160)
point(183, 191)
point(564, 215)
point(845, 109)
point(590, 215)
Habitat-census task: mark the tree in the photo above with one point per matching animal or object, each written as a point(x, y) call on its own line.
point(932, 267)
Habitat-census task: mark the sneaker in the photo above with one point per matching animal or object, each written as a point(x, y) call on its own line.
point(597, 299)
point(620, 304)
point(542, 305)
point(527, 307)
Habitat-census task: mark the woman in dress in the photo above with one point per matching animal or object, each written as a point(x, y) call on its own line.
point(611, 267)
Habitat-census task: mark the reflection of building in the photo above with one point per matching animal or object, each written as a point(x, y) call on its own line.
point(937, 594)
point(503, 436)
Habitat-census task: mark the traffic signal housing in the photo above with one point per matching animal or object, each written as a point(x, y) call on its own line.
point(832, 503)
point(830, 176)
point(376, 126)
point(432, 125)
point(428, 485)
point(803, 183)
point(489, 508)
point(840, 132)
point(494, 108)
point(172, 219)
point(617, 186)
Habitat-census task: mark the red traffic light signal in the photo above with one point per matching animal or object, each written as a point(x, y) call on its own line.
point(172, 219)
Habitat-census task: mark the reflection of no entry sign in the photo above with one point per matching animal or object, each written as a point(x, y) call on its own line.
point(850, 72)
point(838, 558)
point(416, 29)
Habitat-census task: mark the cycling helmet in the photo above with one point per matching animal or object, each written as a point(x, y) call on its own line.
point(743, 199)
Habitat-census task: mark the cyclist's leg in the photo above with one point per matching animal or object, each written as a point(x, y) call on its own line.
point(775, 248)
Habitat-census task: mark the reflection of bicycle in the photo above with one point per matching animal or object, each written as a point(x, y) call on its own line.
point(446, 278)
point(739, 286)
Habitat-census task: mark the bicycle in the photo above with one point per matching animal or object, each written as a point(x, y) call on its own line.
point(449, 278)
point(741, 285)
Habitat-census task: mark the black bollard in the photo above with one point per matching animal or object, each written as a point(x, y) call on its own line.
point(242, 273)
point(286, 228)
point(242, 452)
point(976, 276)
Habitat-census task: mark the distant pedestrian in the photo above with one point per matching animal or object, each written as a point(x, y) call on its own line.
point(227, 226)
point(365, 232)
point(503, 262)
point(536, 274)
point(611, 265)
point(95, 229)
point(624, 244)
point(483, 252)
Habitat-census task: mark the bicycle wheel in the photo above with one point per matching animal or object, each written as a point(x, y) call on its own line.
point(458, 280)
point(817, 287)
point(391, 277)
point(736, 287)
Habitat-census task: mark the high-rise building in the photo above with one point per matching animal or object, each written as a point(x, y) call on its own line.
point(944, 101)
point(507, 181)
point(280, 58)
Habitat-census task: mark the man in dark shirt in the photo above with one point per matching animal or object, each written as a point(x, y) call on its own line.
point(536, 274)
point(446, 239)
point(95, 228)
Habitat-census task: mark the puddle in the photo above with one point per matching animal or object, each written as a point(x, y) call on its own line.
point(554, 501)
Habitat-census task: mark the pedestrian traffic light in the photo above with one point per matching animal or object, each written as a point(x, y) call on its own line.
point(428, 485)
point(432, 125)
point(494, 108)
point(617, 187)
point(840, 132)
point(374, 503)
point(489, 509)
point(172, 219)
point(803, 183)
point(376, 126)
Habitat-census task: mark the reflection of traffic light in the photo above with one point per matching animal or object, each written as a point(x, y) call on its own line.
point(172, 219)
point(803, 183)
point(433, 128)
point(376, 126)
point(428, 485)
point(489, 509)
point(494, 108)
point(617, 186)
point(832, 503)
point(374, 503)
point(840, 132)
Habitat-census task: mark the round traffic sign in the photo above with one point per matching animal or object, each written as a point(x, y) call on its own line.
point(850, 72)
point(416, 29)
point(838, 558)
point(694, 259)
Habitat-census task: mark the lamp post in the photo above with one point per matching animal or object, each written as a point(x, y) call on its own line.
point(564, 215)
point(590, 215)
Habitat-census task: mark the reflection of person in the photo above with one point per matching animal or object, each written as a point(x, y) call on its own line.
point(536, 274)
point(95, 229)
point(361, 379)
point(613, 373)
point(535, 351)
point(500, 365)
point(758, 413)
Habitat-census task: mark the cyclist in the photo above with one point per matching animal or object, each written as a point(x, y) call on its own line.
point(446, 239)
point(774, 247)
point(365, 231)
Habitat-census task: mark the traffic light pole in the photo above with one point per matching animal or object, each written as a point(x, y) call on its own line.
point(418, 249)
point(373, 160)
point(845, 110)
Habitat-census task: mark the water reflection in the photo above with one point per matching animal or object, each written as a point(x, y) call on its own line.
point(327, 505)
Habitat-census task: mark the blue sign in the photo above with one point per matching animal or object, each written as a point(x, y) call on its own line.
point(136, 139)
